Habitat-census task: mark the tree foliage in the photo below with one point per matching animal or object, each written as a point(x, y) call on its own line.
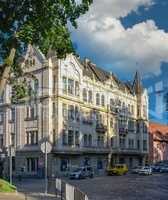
point(42, 23)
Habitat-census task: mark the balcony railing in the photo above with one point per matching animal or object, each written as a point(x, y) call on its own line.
point(123, 131)
point(101, 128)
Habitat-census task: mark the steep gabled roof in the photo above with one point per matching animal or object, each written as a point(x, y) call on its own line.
point(92, 71)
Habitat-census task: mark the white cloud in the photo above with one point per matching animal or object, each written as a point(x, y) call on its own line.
point(101, 32)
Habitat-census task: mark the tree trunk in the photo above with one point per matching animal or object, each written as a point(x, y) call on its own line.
point(7, 69)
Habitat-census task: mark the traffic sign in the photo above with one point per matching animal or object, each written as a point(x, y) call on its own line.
point(46, 147)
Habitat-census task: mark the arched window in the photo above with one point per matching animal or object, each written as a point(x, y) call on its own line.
point(90, 97)
point(84, 95)
point(97, 99)
point(90, 140)
point(103, 100)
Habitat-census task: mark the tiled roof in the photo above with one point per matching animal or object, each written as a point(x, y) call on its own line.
point(158, 128)
point(92, 71)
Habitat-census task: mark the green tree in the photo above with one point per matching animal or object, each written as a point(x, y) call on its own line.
point(42, 23)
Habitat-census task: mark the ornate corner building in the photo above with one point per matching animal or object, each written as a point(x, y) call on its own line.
point(88, 114)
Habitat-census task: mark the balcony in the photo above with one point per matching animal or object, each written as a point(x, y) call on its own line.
point(123, 131)
point(114, 109)
point(127, 151)
point(101, 128)
point(87, 121)
point(79, 150)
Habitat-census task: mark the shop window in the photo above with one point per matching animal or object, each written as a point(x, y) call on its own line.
point(64, 165)
point(99, 164)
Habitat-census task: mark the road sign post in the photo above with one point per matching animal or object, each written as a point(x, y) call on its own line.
point(46, 148)
point(11, 153)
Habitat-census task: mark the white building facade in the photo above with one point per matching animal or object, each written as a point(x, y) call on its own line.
point(90, 117)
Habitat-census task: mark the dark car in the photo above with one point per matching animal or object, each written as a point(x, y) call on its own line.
point(82, 172)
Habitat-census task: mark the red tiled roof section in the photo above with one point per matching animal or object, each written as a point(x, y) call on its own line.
point(156, 127)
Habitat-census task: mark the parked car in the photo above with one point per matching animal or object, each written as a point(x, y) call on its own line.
point(135, 170)
point(164, 169)
point(155, 168)
point(82, 172)
point(118, 169)
point(145, 171)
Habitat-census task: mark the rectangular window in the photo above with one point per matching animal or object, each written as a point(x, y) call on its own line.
point(70, 86)
point(2, 97)
point(138, 127)
point(64, 111)
point(76, 138)
point(131, 125)
point(77, 113)
point(32, 164)
point(12, 114)
point(64, 85)
point(76, 88)
point(1, 117)
point(32, 137)
point(122, 142)
point(54, 83)
point(71, 112)
point(138, 144)
point(1, 141)
point(70, 138)
point(131, 143)
point(12, 139)
point(144, 145)
point(64, 137)
point(64, 165)
point(100, 141)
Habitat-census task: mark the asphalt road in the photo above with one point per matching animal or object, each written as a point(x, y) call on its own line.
point(128, 187)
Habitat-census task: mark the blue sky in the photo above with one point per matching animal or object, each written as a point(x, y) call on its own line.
point(125, 35)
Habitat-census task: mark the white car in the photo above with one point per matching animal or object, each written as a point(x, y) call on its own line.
point(145, 171)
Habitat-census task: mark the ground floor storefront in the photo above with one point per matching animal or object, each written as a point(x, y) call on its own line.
point(131, 160)
point(32, 163)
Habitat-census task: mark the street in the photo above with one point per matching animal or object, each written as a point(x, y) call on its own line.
point(128, 187)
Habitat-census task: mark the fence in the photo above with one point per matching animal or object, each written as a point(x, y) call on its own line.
point(68, 192)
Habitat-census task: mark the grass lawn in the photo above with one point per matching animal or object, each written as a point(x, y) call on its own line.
point(6, 186)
